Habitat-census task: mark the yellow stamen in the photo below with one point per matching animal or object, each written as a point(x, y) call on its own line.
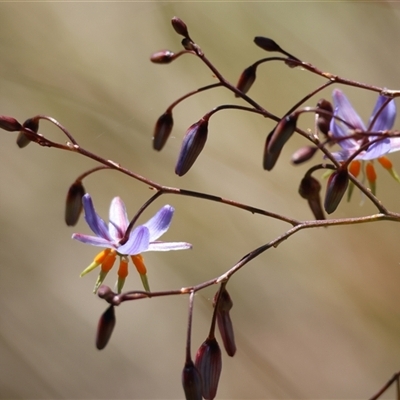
point(355, 168)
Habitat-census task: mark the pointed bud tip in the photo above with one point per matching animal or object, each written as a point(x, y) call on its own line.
point(162, 130)
point(336, 188)
point(9, 124)
point(105, 327)
point(73, 203)
point(162, 57)
point(266, 43)
point(246, 79)
point(180, 27)
point(192, 145)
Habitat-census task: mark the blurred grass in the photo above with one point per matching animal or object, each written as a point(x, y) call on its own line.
point(318, 317)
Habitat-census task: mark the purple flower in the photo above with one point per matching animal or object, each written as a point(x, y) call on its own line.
point(352, 136)
point(141, 239)
point(382, 123)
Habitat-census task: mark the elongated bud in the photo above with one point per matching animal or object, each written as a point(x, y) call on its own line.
point(105, 328)
point(9, 124)
point(303, 154)
point(162, 57)
point(324, 120)
point(282, 133)
point(73, 203)
point(180, 27)
point(336, 188)
point(162, 130)
point(192, 145)
point(22, 139)
point(191, 381)
point(224, 322)
point(310, 190)
point(209, 364)
point(247, 79)
point(269, 159)
point(267, 44)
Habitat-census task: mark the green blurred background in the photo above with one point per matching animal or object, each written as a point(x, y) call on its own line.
point(318, 317)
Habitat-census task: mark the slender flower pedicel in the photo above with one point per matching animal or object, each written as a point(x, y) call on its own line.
point(351, 140)
point(142, 238)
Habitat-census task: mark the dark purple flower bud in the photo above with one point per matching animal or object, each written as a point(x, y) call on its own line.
point(224, 322)
point(225, 328)
point(162, 130)
point(282, 133)
point(335, 189)
point(269, 159)
point(192, 145)
point(209, 364)
point(105, 328)
point(162, 57)
point(310, 190)
point(247, 79)
point(324, 119)
point(303, 154)
point(180, 27)
point(266, 43)
point(9, 124)
point(73, 204)
point(191, 381)
point(32, 124)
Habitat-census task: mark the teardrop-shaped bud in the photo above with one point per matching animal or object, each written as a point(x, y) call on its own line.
point(162, 130)
point(192, 145)
point(225, 328)
point(335, 189)
point(209, 364)
point(303, 154)
point(191, 381)
point(105, 327)
point(23, 140)
point(180, 27)
point(162, 57)
point(246, 79)
point(282, 133)
point(9, 124)
point(269, 159)
point(73, 203)
point(224, 322)
point(324, 119)
point(310, 190)
point(266, 43)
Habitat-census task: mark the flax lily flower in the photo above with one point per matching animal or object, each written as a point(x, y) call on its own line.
point(351, 140)
point(141, 239)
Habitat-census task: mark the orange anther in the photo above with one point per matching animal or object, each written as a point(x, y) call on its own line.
point(370, 172)
point(355, 168)
point(139, 264)
point(109, 261)
point(101, 256)
point(123, 268)
point(385, 162)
